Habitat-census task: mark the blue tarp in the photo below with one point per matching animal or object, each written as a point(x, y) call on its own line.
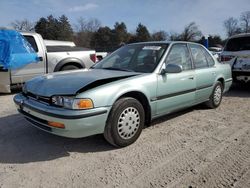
point(15, 50)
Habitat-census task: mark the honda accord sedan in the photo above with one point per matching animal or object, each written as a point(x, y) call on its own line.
point(122, 93)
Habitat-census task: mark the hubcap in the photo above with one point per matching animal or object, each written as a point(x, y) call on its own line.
point(217, 95)
point(128, 123)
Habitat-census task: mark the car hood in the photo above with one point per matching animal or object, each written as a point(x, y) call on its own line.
point(73, 82)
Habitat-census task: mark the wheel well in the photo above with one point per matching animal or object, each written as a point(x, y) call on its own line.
point(222, 82)
point(72, 63)
point(144, 101)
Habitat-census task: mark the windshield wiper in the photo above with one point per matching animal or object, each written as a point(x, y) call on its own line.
point(118, 69)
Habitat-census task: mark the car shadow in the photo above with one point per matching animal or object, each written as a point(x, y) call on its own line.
point(175, 114)
point(239, 90)
point(23, 143)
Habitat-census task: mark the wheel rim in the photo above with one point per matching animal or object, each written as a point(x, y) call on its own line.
point(217, 95)
point(128, 123)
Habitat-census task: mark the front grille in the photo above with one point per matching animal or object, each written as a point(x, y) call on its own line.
point(40, 123)
point(43, 99)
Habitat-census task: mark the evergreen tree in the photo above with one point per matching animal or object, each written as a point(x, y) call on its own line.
point(54, 29)
point(120, 33)
point(103, 39)
point(65, 29)
point(142, 33)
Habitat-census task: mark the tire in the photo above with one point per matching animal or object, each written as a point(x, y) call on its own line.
point(69, 67)
point(125, 122)
point(216, 96)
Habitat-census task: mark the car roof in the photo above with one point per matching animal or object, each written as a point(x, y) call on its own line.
point(240, 35)
point(165, 42)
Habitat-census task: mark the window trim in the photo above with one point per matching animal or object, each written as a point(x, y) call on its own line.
point(190, 55)
point(30, 36)
point(207, 59)
point(203, 54)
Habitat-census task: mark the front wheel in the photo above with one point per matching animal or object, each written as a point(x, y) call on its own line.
point(216, 96)
point(125, 122)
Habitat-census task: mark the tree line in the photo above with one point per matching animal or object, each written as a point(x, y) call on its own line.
point(238, 25)
point(90, 32)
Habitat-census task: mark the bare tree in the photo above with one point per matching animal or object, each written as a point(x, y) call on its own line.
point(245, 21)
point(85, 30)
point(90, 25)
point(173, 36)
point(23, 25)
point(159, 36)
point(191, 32)
point(231, 26)
point(93, 25)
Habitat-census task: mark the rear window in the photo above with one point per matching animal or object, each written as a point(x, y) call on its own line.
point(238, 44)
point(32, 42)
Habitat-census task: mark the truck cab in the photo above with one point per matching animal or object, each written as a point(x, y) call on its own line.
point(50, 59)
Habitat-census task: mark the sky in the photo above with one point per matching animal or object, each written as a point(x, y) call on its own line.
point(167, 15)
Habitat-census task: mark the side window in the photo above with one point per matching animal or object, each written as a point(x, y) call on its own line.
point(199, 56)
point(210, 60)
point(179, 54)
point(32, 42)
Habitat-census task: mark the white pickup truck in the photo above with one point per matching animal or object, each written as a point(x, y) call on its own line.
point(52, 59)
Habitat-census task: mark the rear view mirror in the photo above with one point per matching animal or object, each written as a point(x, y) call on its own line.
point(173, 68)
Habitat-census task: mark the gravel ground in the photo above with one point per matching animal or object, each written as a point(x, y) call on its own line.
point(194, 148)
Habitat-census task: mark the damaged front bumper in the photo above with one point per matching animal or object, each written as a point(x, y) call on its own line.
point(78, 123)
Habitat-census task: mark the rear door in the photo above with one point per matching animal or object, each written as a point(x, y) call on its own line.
point(34, 69)
point(205, 72)
point(176, 90)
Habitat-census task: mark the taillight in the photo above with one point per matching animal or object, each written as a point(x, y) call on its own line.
point(93, 57)
point(226, 57)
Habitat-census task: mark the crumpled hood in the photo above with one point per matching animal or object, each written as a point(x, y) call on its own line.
point(71, 82)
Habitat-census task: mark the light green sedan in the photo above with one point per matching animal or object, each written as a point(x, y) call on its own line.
point(126, 90)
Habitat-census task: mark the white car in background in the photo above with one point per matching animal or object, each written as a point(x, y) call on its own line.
point(237, 53)
point(216, 51)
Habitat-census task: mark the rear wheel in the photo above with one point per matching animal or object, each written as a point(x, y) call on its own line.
point(125, 122)
point(69, 67)
point(216, 96)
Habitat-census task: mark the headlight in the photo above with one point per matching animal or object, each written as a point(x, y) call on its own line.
point(72, 103)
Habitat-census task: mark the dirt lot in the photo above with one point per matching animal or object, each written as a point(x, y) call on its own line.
point(195, 148)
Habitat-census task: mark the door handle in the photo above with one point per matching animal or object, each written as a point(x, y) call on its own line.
point(191, 78)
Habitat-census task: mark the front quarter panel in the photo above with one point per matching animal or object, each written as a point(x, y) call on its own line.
point(107, 94)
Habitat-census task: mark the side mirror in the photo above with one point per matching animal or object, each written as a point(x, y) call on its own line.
point(172, 68)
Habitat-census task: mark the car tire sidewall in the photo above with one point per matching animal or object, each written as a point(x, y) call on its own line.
point(212, 98)
point(112, 122)
point(69, 67)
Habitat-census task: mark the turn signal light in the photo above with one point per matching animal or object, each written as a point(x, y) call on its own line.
point(85, 104)
point(56, 124)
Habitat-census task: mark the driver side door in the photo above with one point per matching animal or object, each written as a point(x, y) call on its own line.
point(176, 90)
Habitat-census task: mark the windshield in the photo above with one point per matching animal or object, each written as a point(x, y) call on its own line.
point(135, 57)
point(238, 44)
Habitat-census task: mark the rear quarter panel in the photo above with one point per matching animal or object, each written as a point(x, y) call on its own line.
point(224, 72)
